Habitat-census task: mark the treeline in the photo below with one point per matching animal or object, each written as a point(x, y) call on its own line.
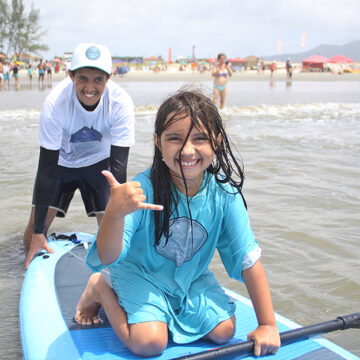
point(20, 31)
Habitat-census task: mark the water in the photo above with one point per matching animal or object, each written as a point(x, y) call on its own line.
point(300, 145)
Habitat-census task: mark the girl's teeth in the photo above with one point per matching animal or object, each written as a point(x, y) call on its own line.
point(188, 163)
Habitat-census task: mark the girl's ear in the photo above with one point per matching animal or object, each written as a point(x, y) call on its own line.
point(157, 142)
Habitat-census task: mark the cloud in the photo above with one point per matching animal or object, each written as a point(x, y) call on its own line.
point(238, 28)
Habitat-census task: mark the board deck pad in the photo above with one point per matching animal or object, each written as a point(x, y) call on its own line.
point(71, 275)
point(99, 342)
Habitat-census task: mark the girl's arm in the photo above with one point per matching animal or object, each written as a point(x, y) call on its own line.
point(124, 199)
point(266, 336)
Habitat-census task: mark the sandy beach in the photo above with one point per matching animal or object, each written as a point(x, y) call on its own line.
point(173, 74)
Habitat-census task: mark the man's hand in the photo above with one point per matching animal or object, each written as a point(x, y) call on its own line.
point(38, 243)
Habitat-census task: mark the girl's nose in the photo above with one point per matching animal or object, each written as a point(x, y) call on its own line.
point(188, 148)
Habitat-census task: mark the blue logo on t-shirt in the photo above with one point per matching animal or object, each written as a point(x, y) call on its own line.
point(92, 53)
point(185, 240)
point(85, 134)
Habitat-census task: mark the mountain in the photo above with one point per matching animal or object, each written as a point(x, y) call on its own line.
point(351, 50)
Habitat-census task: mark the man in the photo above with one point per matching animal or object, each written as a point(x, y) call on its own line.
point(41, 68)
point(1, 73)
point(288, 69)
point(86, 126)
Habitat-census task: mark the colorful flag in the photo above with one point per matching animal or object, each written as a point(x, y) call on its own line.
point(303, 40)
point(169, 61)
point(279, 45)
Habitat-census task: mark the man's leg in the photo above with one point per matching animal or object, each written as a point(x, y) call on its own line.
point(29, 228)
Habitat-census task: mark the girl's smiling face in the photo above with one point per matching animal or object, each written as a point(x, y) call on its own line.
point(193, 157)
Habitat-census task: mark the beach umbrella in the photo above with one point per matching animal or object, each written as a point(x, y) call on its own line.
point(340, 59)
point(212, 60)
point(123, 70)
point(56, 60)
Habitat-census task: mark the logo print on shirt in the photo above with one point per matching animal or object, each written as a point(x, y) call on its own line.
point(92, 53)
point(183, 243)
point(85, 134)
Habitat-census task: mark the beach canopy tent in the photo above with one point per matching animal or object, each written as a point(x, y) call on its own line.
point(212, 60)
point(236, 60)
point(251, 62)
point(340, 59)
point(152, 58)
point(315, 62)
point(136, 61)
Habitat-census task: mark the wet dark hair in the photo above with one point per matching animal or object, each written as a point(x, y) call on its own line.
point(220, 55)
point(225, 166)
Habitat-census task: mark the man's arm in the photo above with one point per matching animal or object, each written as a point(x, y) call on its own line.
point(44, 185)
point(118, 162)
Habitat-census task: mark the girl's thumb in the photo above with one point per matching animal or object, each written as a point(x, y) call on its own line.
point(110, 178)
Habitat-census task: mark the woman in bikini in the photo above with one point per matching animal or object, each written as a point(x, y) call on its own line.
point(221, 72)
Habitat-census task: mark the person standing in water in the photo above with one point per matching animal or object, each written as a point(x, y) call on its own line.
point(221, 72)
point(87, 124)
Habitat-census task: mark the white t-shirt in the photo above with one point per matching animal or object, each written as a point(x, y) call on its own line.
point(85, 137)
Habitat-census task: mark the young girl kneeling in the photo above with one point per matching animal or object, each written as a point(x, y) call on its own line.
point(159, 254)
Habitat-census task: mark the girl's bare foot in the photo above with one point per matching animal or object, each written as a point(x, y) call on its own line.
point(87, 310)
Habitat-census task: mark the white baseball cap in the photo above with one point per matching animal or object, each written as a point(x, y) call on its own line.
point(91, 55)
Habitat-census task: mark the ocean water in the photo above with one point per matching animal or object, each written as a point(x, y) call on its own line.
point(300, 144)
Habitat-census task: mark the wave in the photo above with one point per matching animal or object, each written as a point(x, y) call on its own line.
point(295, 112)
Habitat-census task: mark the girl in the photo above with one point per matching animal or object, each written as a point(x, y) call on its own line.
point(221, 72)
point(159, 254)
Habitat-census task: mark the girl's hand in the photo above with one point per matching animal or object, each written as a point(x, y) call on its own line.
point(126, 198)
point(266, 339)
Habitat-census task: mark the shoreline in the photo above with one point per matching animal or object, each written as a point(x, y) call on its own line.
point(237, 76)
point(187, 76)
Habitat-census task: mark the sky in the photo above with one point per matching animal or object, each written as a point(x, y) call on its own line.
point(237, 28)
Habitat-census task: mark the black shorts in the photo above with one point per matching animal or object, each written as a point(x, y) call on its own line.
point(93, 186)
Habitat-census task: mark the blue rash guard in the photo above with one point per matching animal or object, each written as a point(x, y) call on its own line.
point(170, 282)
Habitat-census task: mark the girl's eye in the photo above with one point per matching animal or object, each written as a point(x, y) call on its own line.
point(201, 138)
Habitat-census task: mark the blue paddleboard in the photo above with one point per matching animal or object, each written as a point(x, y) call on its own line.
point(53, 285)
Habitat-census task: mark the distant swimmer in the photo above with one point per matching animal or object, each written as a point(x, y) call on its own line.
point(288, 69)
point(221, 72)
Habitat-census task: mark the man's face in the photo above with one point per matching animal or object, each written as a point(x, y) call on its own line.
point(89, 84)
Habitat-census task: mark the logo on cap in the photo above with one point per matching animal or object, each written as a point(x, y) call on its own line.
point(92, 53)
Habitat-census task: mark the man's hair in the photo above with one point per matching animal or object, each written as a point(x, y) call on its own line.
point(89, 67)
